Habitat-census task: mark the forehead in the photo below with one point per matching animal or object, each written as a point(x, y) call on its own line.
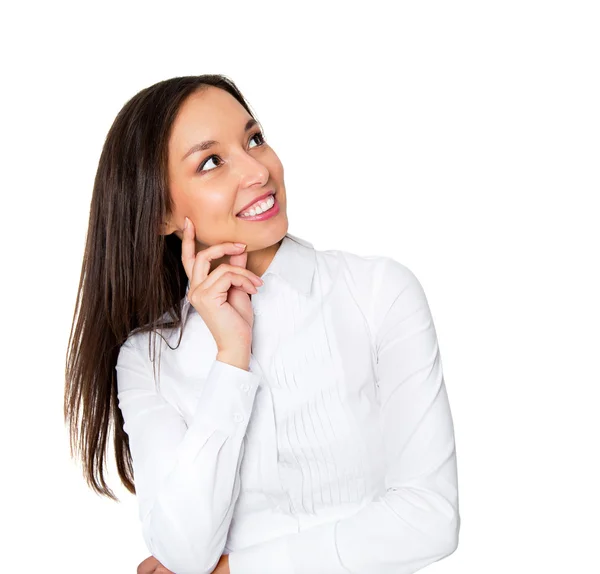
point(209, 113)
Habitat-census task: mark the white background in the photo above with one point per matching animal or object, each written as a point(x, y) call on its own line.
point(461, 138)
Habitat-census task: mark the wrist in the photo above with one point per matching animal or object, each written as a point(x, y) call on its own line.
point(236, 358)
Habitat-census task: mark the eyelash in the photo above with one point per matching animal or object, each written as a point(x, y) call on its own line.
point(259, 133)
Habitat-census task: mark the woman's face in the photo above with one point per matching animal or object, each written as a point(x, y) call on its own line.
point(211, 186)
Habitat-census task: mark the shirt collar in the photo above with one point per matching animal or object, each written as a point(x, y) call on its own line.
point(294, 262)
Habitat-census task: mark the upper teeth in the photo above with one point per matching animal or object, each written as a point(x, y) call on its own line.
point(259, 207)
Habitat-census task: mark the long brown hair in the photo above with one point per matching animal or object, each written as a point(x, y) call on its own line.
point(131, 273)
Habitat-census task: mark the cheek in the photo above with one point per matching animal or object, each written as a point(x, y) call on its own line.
point(211, 205)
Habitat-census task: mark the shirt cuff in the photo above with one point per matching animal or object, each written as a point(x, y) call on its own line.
point(311, 551)
point(227, 398)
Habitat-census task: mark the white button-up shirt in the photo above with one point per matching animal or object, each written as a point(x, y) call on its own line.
point(333, 454)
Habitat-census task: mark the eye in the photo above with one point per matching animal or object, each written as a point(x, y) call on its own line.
point(201, 166)
point(201, 169)
point(260, 137)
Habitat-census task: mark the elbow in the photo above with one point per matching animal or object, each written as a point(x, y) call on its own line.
point(173, 549)
point(447, 536)
point(444, 523)
point(188, 561)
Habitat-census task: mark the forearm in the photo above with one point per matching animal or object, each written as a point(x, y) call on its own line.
point(192, 510)
point(186, 470)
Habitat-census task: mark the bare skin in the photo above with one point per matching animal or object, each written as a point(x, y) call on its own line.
point(240, 168)
point(235, 171)
point(152, 566)
point(222, 297)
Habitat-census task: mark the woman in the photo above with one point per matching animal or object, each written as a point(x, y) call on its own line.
point(296, 419)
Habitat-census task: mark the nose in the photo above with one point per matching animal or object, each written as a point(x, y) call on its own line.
point(250, 170)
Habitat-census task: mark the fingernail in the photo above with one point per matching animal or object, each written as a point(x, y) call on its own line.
point(240, 244)
point(186, 223)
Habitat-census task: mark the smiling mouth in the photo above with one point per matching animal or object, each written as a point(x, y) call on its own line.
point(256, 204)
point(263, 216)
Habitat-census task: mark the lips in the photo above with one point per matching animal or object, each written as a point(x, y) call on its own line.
point(256, 200)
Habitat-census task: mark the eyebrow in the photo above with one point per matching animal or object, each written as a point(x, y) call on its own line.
point(209, 143)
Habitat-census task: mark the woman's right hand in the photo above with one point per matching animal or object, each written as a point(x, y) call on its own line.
point(221, 296)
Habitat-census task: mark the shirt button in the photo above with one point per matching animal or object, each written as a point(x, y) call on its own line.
point(245, 387)
point(238, 417)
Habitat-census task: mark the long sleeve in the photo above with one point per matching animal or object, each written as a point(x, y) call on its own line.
point(186, 477)
point(416, 522)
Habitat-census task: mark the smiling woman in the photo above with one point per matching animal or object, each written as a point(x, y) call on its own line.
point(298, 422)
